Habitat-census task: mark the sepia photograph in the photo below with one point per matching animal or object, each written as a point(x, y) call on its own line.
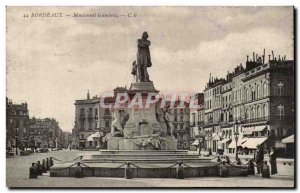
point(150, 97)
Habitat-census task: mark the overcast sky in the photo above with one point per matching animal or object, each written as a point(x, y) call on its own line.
point(51, 62)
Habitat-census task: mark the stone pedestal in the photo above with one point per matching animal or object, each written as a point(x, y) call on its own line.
point(115, 143)
point(142, 130)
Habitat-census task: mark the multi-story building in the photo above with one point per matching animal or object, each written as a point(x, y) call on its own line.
point(257, 106)
point(181, 124)
point(17, 124)
point(91, 118)
point(213, 112)
point(44, 133)
point(66, 139)
point(197, 120)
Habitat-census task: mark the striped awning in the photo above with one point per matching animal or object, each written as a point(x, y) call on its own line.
point(260, 128)
point(248, 130)
point(239, 142)
point(289, 139)
point(224, 141)
point(252, 143)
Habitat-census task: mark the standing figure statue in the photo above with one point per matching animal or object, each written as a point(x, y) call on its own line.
point(143, 59)
point(168, 119)
point(119, 120)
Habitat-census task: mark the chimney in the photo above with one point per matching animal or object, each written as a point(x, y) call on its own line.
point(272, 55)
point(247, 58)
point(88, 95)
point(269, 57)
point(264, 55)
point(279, 59)
point(256, 57)
point(253, 56)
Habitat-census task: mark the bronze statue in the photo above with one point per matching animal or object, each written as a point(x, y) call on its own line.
point(143, 59)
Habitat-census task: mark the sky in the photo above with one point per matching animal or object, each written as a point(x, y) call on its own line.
point(51, 62)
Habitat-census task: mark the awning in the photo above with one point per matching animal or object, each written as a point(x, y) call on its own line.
point(260, 128)
point(289, 139)
point(252, 143)
point(239, 143)
point(216, 137)
point(248, 130)
point(94, 137)
point(196, 142)
point(224, 141)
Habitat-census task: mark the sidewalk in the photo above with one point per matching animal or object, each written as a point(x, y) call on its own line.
point(287, 161)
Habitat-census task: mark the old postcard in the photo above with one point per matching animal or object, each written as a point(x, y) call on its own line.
point(150, 97)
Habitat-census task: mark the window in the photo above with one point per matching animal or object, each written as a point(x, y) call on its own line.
point(252, 113)
point(90, 124)
point(175, 118)
point(90, 112)
point(280, 112)
point(265, 90)
point(258, 114)
point(106, 112)
point(247, 95)
point(280, 89)
point(107, 123)
point(82, 112)
point(264, 111)
point(193, 119)
point(82, 124)
point(253, 93)
point(82, 136)
point(258, 91)
point(247, 116)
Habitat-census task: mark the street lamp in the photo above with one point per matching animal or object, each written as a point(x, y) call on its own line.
point(236, 134)
point(16, 139)
point(201, 139)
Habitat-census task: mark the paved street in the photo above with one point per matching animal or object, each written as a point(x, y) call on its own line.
point(18, 172)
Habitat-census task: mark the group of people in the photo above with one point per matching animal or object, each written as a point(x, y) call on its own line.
point(259, 159)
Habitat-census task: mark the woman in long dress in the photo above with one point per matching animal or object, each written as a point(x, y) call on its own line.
point(273, 161)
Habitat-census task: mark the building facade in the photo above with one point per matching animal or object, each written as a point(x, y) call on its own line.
point(44, 133)
point(66, 139)
point(252, 106)
point(17, 124)
point(90, 118)
point(181, 125)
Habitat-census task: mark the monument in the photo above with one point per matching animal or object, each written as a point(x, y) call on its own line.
point(141, 137)
point(146, 128)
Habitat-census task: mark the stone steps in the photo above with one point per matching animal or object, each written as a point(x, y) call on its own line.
point(148, 152)
point(142, 156)
point(146, 160)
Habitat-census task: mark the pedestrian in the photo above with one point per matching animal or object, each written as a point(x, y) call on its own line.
point(259, 159)
point(70, 147)
point(273, 161)
point(39, 168)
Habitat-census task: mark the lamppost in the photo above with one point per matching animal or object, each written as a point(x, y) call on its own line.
point(16, 139)
point(201, 139)
point(236, 134)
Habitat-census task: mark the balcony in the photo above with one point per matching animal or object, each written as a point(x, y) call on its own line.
point(226, 124)
point(255, 120)
point(200, 123)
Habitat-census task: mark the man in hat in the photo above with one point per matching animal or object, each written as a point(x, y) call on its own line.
point(143, 58)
